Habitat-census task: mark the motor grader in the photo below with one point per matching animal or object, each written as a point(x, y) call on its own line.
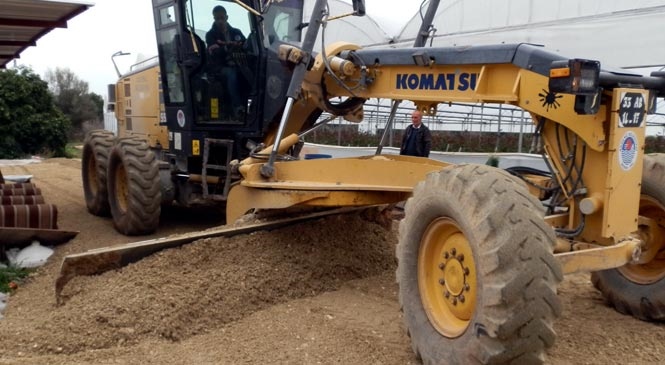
point(481, 250)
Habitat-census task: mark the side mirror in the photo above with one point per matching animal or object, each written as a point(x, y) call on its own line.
point(358, 7)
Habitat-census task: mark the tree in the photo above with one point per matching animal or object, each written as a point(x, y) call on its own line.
point(99, 104)
point(29, 121)
point(73, 99)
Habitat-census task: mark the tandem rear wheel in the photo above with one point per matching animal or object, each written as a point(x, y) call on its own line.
point(96, 149)
point(134, 187)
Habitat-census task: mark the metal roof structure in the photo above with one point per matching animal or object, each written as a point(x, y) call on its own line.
point(23, 22)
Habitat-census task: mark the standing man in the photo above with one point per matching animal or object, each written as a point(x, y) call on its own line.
point(221, 39)
point(417, 139)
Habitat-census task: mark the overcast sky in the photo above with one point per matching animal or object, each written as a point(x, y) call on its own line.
point(109, 26)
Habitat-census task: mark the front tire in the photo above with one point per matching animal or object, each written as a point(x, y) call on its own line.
point(639, 290)
point(96, 149)
point(134, 188)
point(477, 277)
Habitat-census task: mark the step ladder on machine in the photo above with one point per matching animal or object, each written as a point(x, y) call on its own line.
point(227, 145)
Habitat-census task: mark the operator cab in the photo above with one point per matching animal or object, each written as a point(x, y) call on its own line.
point(191, 73)
point(199, 102)
point(193, 78)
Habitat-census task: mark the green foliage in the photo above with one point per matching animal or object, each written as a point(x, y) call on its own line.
point(99, 105)
point(29, 122)
point(72, 152)
point(654, 144)
point(74, 100)
point(9, 274)
point(492, 161)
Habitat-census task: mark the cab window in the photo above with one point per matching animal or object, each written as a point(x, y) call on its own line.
point(283, 20)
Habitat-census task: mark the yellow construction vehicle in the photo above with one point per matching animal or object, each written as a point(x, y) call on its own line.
point(481, 250)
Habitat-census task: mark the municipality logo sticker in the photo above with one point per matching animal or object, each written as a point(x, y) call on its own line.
point(628, 151)
point(180, 117)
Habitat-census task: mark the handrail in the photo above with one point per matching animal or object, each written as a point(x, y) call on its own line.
point(142, 63)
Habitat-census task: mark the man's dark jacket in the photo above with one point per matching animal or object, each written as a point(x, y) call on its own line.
point(423, 140)
point(222, 55)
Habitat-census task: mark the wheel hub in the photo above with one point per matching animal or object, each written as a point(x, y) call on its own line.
point(446, 277)
point(454, 277)
point(651, 267)
point(456, 282)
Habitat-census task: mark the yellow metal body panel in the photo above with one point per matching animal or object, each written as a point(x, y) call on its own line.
point(138, 107)
point(247, 198)
point(595, 178)
point(534, 98)
point(329, 182)
point(500, 83)
point(615, 189)
point(448, 83)
point(624, 178)
point(378, 173)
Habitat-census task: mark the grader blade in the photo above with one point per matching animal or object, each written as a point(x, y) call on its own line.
point(100, 260)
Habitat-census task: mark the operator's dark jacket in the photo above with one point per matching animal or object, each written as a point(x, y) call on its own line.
point(423, 140)
point(221, 57)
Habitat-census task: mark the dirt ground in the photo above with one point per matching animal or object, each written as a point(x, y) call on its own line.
point(321, 292)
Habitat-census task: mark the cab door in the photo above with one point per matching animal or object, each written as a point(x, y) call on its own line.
point(173, 71)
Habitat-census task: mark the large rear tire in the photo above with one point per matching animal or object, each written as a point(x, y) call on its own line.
point(134, 190)
point(639, 290)
point(477, 276)
point(96, 149)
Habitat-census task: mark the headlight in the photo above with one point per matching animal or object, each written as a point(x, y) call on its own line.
point(576, 76)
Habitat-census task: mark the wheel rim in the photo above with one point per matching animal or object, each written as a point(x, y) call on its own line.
point(121, 188)
point(92, 174)
point(654, 270)
point(447, 277)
